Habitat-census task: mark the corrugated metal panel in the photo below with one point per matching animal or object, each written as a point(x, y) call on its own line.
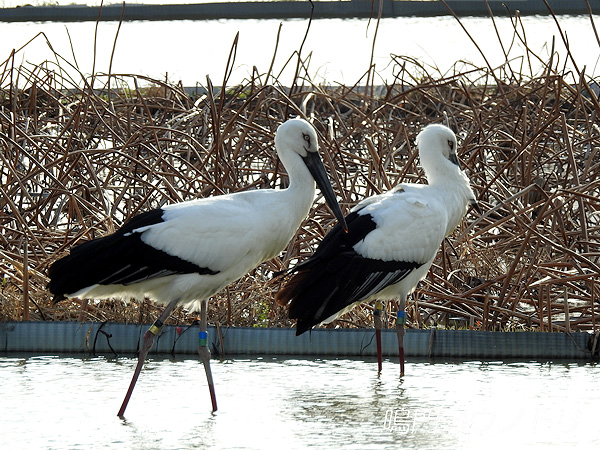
point(118, 338)
point(488, 344)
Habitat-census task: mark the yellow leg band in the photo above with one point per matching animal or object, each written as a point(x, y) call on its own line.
point(154, 330)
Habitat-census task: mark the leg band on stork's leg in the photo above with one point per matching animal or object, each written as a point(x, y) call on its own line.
point(203, 338)
point(156, 327)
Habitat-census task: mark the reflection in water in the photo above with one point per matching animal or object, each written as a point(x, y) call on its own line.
point(297, 403)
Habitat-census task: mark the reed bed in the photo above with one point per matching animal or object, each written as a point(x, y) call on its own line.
point(81, 155)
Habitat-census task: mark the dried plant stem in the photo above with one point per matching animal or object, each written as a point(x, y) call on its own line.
point(77, 162)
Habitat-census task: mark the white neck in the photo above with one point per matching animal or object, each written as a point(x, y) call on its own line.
point(454, 186)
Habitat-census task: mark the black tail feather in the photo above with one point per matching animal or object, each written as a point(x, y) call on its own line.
point(327, 287)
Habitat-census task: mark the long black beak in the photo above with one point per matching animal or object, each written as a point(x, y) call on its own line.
point(454, 159)
point(317, 170)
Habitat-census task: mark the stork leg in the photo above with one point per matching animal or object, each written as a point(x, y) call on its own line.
point(147, 343)
point(400, 331)
point(378, 322)
point(204, 353)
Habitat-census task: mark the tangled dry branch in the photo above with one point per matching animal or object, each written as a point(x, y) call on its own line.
point(78, 158)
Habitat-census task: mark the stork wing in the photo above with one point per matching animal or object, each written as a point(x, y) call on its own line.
point(336, 276)
point(120, 258)
point(331, 286)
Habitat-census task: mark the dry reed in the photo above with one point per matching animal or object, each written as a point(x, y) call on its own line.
point(79, 157)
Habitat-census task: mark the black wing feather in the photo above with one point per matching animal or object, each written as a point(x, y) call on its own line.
point(335, 276)
point(119, 258)
point(337, 239)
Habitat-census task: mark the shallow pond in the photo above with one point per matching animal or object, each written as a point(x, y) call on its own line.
point(341, 51)
point(58, 402)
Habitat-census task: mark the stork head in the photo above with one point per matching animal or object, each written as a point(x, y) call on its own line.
point(436, 140)
point(299, 137)
point(437, 151)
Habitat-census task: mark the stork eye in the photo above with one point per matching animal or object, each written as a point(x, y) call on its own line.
point(451, 145)
point(306, 138)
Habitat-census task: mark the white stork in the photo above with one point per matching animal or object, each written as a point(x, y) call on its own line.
point(184, 253)
point(391, 242)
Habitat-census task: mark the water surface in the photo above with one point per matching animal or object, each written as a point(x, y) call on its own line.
point(337, 51)
point(58, 402)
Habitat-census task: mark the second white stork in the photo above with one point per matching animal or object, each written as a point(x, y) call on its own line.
point(391, 242)
point(184, 253)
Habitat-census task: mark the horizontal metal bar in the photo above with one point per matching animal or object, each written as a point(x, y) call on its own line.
point(288, 10)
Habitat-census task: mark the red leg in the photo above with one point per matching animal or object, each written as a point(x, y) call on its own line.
point(377, 312)
point(204, 353)
point(400, 331)
point(147, 343)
